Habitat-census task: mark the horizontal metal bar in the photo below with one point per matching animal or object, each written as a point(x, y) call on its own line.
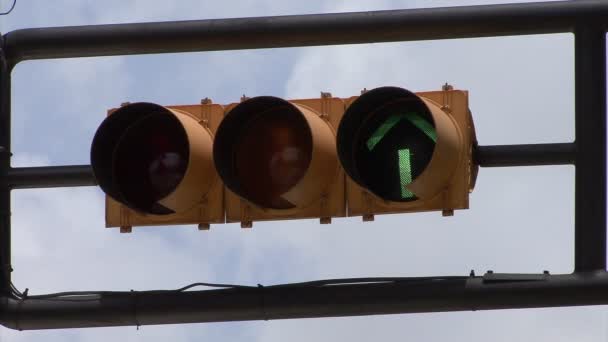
point(303, 30)
point(50, 176)
point(525, 155)
point(500, 155)
point(238, 304)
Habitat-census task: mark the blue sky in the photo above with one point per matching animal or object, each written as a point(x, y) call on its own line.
point(520, 219)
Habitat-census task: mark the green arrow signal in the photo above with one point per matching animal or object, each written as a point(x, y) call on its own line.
point(417, 120)
point(404, 156)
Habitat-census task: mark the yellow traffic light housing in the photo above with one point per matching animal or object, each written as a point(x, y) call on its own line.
point(406, 152)
point(155, 163)
point(278, 159)
point(386, 151)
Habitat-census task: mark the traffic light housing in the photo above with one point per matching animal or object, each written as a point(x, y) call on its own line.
point(265, 158)
point(407, 152)
point(155, 164)
point(278, 159)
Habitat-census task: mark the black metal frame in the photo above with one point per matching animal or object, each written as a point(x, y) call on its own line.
point(587, 285)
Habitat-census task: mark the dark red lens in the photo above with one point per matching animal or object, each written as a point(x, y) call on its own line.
point(151, 160)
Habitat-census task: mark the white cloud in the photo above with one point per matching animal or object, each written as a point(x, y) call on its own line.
point(516, 84)
point(26, 159)
point(505, 325)
point(58, 104)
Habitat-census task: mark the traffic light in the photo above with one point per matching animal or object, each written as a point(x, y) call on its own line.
point(265, 158)
point(155, 163)
point(406, 152)
point(278, 159)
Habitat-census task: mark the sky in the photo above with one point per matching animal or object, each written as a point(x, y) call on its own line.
point(520, 220)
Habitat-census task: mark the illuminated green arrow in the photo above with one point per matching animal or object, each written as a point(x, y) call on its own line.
point(392, 120)
point(403, 156)
point(405, 172)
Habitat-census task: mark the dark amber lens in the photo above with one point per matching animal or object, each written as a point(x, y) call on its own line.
point(150, 161)
point(272, 155)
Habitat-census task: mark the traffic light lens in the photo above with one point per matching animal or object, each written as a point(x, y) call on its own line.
point(386, 140)
point(150, 161)
point(395, 147)
point(272, 156)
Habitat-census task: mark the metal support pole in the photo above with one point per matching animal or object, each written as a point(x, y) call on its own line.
point(50, 176)
point(489, 292)
point(5, 163)
point(303, 30)
point(525, 155)
point(590, 179)
point(486, 156)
